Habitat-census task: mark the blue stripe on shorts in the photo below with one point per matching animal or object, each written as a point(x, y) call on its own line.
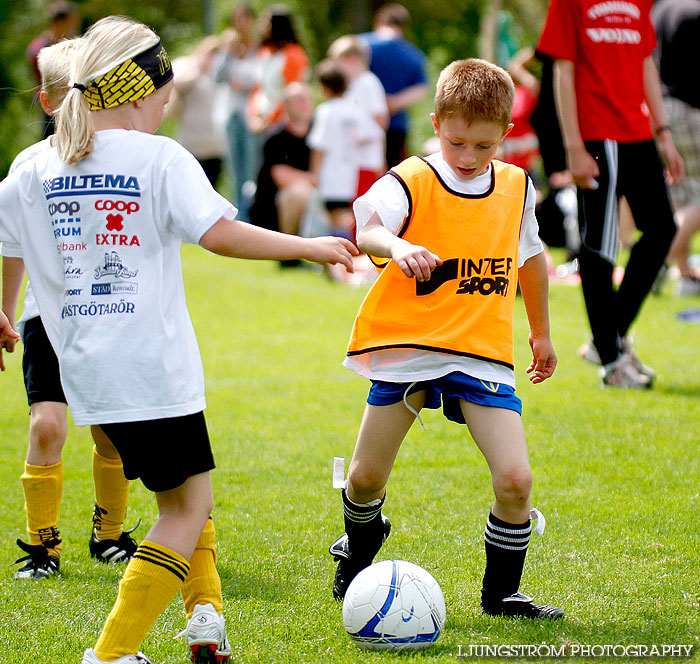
point(450, 389)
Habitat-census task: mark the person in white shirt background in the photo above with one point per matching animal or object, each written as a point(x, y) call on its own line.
point(352, 54)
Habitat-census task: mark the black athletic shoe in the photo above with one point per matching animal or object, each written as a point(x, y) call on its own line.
point(113, 551)
point(521, 605)
point(348, 568)
point(38, 564)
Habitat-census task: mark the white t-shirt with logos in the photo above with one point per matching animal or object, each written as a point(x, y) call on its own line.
point(388, 199)
point(30, 309)
point(101, 242)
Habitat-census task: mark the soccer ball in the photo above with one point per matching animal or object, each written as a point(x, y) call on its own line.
point(394, 605)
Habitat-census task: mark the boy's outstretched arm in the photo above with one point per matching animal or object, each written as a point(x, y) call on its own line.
point(414, 260)
point(237, 239)
point(534, 285)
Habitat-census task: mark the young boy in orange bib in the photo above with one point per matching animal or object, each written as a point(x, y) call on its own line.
point(452, 234)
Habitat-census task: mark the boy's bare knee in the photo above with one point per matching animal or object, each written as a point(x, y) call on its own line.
point(366, 483)
point(513, 486)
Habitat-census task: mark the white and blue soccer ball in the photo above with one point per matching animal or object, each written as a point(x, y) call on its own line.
point(394, 605)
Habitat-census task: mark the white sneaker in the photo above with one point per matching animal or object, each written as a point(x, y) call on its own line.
point(623, 373)
point(636, 362)
point(589, 353)
point(89, 657)
point(206, 635)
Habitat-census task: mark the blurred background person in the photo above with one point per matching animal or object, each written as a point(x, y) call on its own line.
point(196, 96)
point(285, 185)
point(339, 130)
point(677, 25)
point(64, 22)
point(282, 60)
point(365, 90)
point(400, 66)
point(535, 110)
point(521, 147)
point(235, 67)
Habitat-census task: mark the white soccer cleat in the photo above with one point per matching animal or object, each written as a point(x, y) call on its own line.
point(206, 636)
point(89, 657)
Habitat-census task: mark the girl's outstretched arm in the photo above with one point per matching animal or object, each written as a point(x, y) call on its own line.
point(237, 239)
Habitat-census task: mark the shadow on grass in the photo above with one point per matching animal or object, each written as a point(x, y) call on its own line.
point(689, 391)
point(262, 587)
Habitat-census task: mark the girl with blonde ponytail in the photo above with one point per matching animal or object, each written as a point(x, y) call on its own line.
point(42, 476)
point(111, 296)
point(109, 42)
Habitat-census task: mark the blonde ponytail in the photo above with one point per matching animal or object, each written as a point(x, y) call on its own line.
point(75, 129)
point(108, 43)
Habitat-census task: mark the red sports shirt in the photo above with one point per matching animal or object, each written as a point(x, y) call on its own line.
point(607, 40)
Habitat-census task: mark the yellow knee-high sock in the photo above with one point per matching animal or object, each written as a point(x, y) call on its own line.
point(203, 585)
point(151, 580)
point(43, 488)
point(111, 496)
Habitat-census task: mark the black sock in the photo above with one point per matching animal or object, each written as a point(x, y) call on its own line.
point(364, 528)
point(506, 546)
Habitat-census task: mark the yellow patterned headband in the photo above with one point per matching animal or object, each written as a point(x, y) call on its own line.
point(134, 79)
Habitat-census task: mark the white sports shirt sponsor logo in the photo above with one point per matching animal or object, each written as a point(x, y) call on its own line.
point(614, 7)
point(120, 206)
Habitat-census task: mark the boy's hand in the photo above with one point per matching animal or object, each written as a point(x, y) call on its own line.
point(332, 250)
point(544, 359)
point(8, 338)
point(414, 260)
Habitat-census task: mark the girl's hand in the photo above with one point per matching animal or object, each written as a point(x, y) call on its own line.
point(332, 250)
point(8, 338)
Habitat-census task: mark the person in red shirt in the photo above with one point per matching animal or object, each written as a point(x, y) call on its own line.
point(606, 86)
point(521, 146)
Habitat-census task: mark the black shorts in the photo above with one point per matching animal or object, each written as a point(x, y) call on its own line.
point(163, 453)
point(42, 378)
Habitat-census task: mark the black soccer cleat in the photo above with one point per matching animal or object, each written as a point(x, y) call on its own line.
point(522, 606)
point(348, 568)
point(38, 564)
point(114, 550)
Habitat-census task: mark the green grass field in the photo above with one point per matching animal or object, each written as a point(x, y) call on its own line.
point(615, 473)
